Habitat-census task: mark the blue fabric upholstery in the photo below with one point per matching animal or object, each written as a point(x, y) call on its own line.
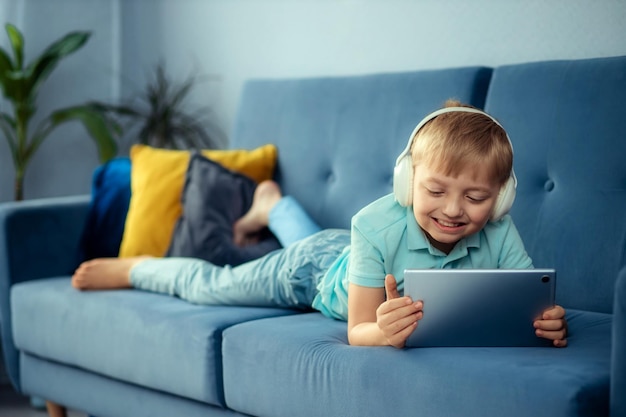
point(110, 197)
point(568, 127)
point(567, 124)
point(309, 359)
point(328, 129)
point(618, 355)
point(47, 231)
point(83, 390)
point(164, 343)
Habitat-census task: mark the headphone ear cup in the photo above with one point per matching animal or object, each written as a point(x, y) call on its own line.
point(403, 181)
point(505, 200)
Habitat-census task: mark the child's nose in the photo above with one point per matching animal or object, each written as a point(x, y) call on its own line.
point(452, 207)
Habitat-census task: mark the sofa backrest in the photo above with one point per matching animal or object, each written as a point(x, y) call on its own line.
point(567, 122)
point(338, 137)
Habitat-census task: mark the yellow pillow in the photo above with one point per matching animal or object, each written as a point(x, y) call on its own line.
point(157, 180)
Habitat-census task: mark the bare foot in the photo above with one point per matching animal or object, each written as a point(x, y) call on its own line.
point(104, 273)
point(266, 195)
point(55, 410)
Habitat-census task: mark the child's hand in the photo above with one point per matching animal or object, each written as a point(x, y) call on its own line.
point(553, 326)
point(397, 317)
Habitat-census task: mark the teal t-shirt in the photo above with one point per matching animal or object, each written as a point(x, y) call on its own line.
point(386, 239)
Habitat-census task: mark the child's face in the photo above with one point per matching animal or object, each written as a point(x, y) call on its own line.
point(451, 208)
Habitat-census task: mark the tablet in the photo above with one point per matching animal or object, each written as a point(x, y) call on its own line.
point(479, 307)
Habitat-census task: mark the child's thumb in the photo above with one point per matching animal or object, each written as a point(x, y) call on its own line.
point(391, 287)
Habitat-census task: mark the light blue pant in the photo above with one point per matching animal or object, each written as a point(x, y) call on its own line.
point(289, 222)
point(286, 277)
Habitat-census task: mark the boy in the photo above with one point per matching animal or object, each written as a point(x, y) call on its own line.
point(452, 214)
point(460, 160)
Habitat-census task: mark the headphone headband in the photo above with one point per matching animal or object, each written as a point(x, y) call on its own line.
point(439, 112)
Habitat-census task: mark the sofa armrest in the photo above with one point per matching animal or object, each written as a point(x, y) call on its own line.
point(618, 360)
point(38, 239)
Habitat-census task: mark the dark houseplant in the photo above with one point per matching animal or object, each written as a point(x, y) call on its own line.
point(162, 115)
point(20, 84)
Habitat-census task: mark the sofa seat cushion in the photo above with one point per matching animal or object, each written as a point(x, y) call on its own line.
point(152, 340)
point(288, 366)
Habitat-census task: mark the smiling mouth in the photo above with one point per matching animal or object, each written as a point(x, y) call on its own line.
point(448, 224)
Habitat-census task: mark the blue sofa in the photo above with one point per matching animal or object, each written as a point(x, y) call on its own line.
point(132, 353)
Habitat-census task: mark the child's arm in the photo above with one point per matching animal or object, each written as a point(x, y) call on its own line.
point(372, 321)
point(553, 326)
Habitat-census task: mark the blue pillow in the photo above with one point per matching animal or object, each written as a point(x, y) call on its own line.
point(213, 199)
point(110, 197)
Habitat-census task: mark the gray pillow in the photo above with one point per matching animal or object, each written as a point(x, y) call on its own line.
point(213, 199)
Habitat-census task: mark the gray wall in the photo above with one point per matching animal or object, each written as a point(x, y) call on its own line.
point(229, 41)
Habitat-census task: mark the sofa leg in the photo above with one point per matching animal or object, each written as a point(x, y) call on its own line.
point(55, 410)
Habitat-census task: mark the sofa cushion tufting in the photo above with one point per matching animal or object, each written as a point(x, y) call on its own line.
point(329, 128)
point(567, 124)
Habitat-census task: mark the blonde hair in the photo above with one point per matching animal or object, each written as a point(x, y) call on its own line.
point(454, 141)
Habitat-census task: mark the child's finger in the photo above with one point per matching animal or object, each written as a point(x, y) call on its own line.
point(400, 307)
point(391, 287)
point(549, 325)
point(399, 339)
point(400, 325)
point(551, 335)
point(554, 313)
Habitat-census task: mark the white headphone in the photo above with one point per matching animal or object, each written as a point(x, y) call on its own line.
point(403, 171)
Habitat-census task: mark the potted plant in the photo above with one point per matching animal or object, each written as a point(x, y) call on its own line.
point(20, 84)
point(162, 115)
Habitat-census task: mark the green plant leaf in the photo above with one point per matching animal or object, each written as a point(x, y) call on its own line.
point(114, 109)
point(179, 94)
point(8, 119)
point(100, 128)
point(7, 125)
point(97, 125)
point(38, 70)
point(17, 43)
point(6, 69)
point(12, 77)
